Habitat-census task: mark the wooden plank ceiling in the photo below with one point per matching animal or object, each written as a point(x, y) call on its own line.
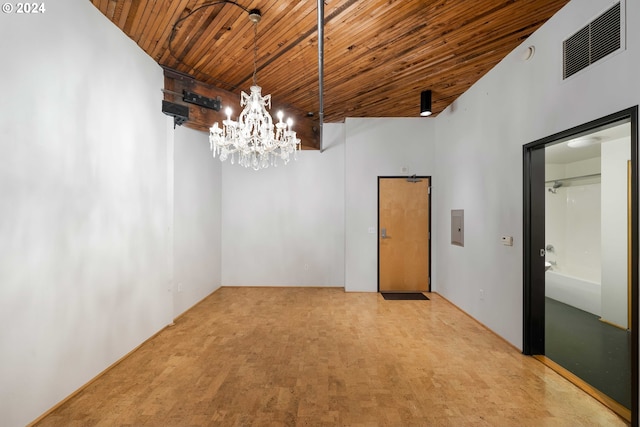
point(378, 54)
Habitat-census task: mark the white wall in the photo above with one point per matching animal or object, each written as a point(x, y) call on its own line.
point(197, 219)
point(284, 226)
point(615, 155)
point(292, 230)
point(379, 147)
point(83, 204)
point(479, 152)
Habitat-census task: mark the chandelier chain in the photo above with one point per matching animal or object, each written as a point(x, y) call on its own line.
point(255, 53)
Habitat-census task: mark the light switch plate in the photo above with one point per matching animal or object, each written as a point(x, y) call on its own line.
point(507, 240)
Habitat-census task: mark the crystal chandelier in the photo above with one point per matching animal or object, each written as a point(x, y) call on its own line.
point(254, 138)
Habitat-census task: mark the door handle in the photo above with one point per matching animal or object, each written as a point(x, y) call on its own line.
point(383, 233)
point(542, 252)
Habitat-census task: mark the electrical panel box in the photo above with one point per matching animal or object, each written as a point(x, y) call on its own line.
point(457, 227)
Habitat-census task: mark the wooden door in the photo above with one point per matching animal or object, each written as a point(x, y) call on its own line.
point(403, 234)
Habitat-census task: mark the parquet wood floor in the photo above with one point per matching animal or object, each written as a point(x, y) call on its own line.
point(323, 357)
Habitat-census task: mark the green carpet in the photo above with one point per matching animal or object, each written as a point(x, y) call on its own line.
point(598, 353)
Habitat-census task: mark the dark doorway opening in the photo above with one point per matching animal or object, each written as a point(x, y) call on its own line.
point(548, 280)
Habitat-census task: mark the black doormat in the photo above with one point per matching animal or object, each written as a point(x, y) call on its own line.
point(403, 296)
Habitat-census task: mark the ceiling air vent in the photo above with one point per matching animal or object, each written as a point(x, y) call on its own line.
point(601, 37)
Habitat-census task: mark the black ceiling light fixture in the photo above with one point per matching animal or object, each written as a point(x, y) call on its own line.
point(425, 103)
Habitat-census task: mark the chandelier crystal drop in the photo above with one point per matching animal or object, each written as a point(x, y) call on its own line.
point(254, 140)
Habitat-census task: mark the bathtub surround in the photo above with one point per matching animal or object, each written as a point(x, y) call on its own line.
point(574, 291)
point(575, 211)
point(586, 228)
point(572, 230)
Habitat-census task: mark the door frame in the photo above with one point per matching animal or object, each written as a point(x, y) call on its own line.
point(532, 293)
point(378, 222)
